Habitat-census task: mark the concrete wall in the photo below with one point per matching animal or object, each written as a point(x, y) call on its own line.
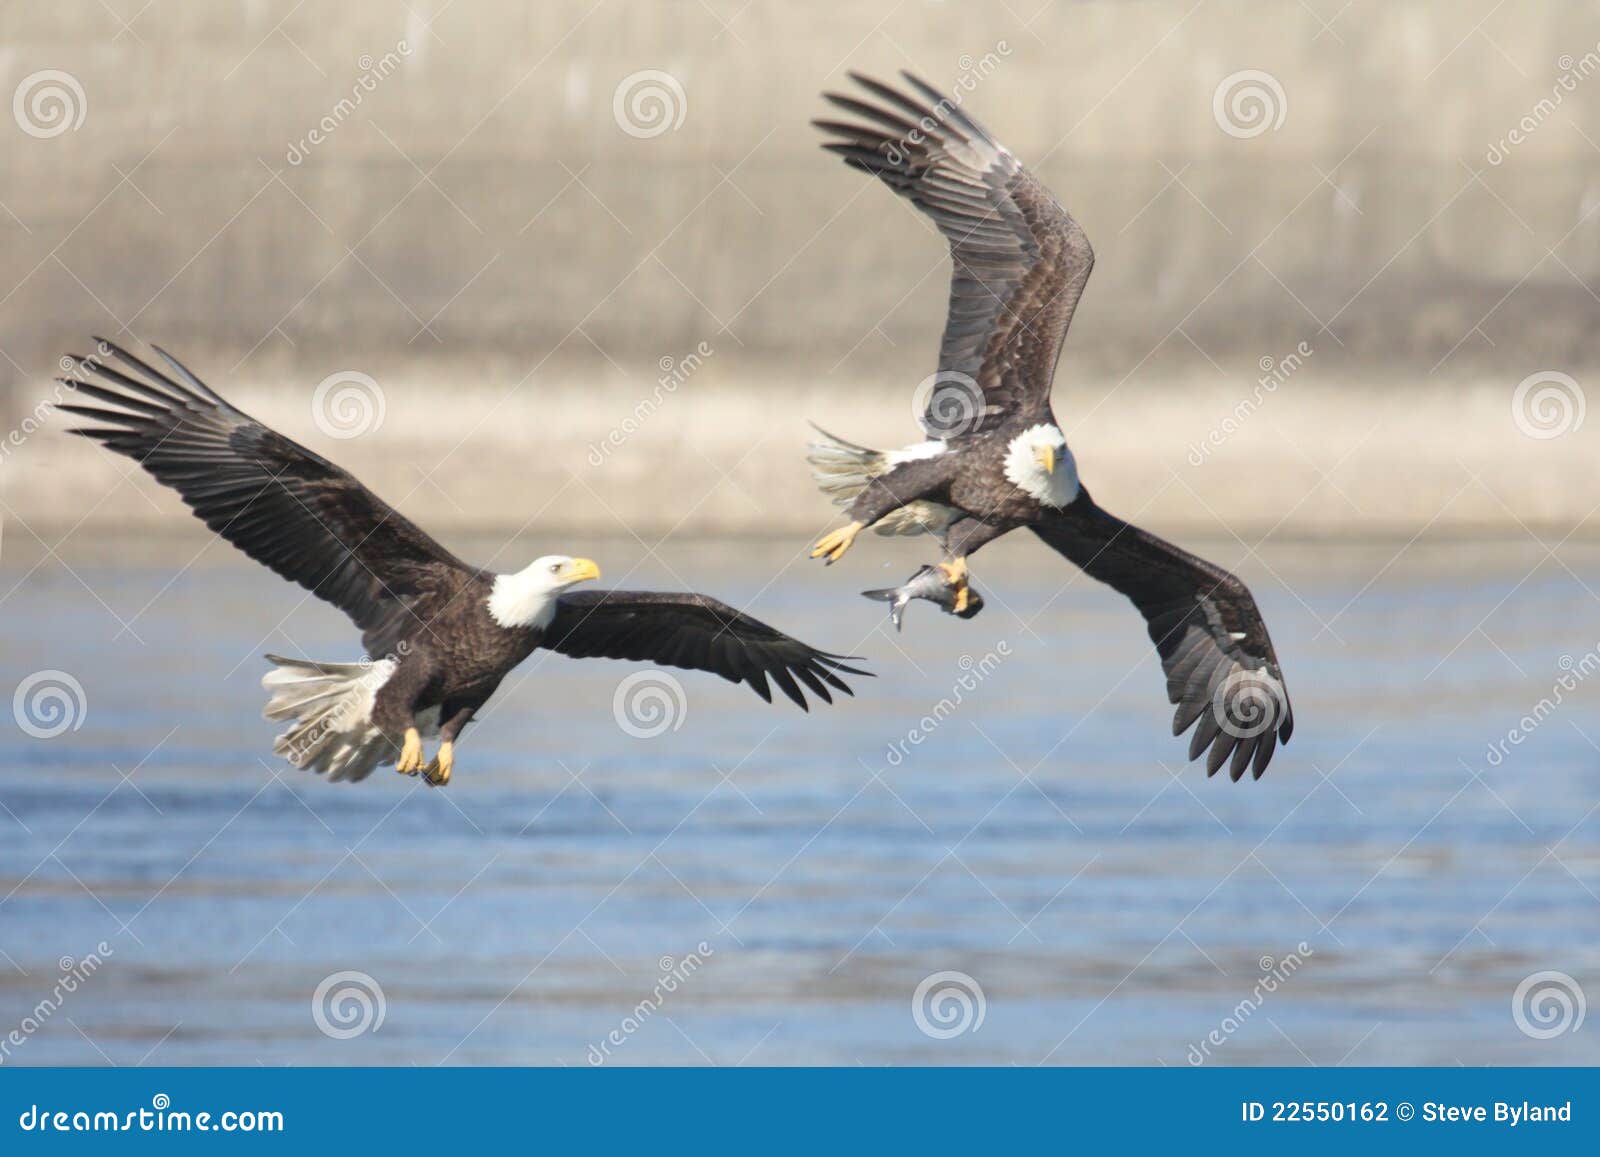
point(481, 235)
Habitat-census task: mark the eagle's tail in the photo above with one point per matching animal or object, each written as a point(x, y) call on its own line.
point(331, 705)
point(842, 469)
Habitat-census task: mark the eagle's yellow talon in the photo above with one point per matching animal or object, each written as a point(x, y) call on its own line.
point(836, 542)
point(438, 772)
point(955, 573)
point(410, 761)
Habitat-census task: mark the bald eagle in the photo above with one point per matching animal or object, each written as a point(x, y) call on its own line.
point(439, 634)
point(995, 458)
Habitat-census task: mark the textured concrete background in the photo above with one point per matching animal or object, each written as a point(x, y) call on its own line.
point(484, 238)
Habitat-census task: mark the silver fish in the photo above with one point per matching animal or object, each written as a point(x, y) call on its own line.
point(928, 583)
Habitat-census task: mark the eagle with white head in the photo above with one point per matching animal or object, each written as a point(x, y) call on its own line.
point(439, 633)
point(996, 458)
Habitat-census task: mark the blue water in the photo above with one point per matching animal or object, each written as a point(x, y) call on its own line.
point(1045, 838)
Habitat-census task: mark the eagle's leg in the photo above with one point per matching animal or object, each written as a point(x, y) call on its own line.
point(437, 773)
point(905, 484)
point(955, 574)
point(394, 709)
point(836, 542)
point(410, 760)
point(962, 538)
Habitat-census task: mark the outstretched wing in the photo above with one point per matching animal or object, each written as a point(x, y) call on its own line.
point(284, 506)
point(696, 632)
point(1221, 668)
point(1020, 260)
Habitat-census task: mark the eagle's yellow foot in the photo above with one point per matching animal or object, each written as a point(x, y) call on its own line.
point(437, 773)
point(955, 573)
point(410, 761)
point(836, 542)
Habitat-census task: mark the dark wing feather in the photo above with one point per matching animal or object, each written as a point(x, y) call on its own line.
point(695, 632)
point(284, 506)
point(1020, 260)
point(1221, 668)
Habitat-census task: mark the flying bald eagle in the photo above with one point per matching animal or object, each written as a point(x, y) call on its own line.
point(995, 458)
point(440, 634)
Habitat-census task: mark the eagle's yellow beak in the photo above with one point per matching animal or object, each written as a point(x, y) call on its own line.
point(580, 569)
point(1047, 458)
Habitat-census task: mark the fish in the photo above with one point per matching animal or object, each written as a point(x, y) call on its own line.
point(928, 583)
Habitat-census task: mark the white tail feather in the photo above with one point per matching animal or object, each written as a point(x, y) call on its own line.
point(331, 704)
point(843, 469)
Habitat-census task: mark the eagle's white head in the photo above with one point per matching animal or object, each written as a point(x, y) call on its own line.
point(1039, 464)
point(528, 597)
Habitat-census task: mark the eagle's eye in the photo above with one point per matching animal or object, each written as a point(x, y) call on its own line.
point(555, 568)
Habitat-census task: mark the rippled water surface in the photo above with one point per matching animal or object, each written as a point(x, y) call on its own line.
point(1393, 877)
